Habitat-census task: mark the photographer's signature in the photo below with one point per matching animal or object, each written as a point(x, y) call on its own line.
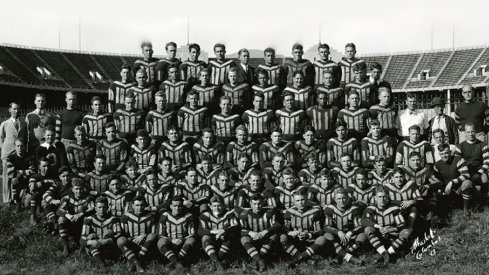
point(425, 244)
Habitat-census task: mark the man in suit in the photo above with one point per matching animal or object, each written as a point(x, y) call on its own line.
point(10, 130)
point(443, 122)
point(246, 73)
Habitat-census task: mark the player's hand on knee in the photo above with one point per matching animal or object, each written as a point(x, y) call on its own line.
point(176, 241)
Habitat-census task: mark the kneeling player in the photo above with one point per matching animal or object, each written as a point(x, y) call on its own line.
point(343, 228)
point(302, 224)
point(138, 230)
point(177, 233)
point(384, 223)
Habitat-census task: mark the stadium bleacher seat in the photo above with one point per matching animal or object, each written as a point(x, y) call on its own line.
point(457, 66)
point(432, 61)
point(400, 68)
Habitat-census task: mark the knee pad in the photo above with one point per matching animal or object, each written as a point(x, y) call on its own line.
point(369, 230)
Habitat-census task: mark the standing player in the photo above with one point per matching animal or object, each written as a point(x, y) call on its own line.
point(377, 146)
point(276, 72)
point(323, 64)
point(143, 93)
point(219, 68)
point(334, 93)
point(239, 93)
point(474, 111)
point(128, 120)
point(192, 119)
point(67, 119)
point(81, 154)
point(158, 121)
point(270, 92)
point(208, 93)
point(361, 85)
point(225, 123)
point(337, 146)
point(276, 146)
point(322, 117)
point(178, 151)
point(291, 119)
point(118, 89)
point(299, 64)
point(175, 90)
point(148, 63)
point(115, 150)
point(385, 112)
point(94, 122)
point(191, 68)
point(37, 121)
point(303, 94)
point(169, 60)
point(355, 116)
point(346, 63)
point(259, 121)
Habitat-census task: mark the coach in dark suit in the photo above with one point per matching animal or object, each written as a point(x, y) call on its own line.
point(442, 121)
point(246, 73)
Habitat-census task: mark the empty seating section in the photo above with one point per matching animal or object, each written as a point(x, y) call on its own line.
point(11, 64)
point(432, 61)
point(381, 59)
point(457, 66)
point(101, 85)
point(9, 78)
point(64, 69)
point(470, 78)
point(84, 64)
point(111, 64)
point(400, 68)
point(129, 60)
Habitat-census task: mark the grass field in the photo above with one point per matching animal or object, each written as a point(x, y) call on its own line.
point(463, 249)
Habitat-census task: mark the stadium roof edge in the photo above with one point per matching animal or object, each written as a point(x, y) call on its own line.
point(41, 87)
point(441, 88)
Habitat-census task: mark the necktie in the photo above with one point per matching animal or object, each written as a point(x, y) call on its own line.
point(16, 124)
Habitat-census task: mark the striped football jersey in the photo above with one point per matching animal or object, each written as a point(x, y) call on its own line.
point(117, 95)
point(219, 71)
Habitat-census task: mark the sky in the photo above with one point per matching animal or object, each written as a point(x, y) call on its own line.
point(380, 26)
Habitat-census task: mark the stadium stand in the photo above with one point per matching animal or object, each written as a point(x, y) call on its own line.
point(472, 77)
point(458, 64)
point(431, 63)
point(111, 65)
point(400, 68)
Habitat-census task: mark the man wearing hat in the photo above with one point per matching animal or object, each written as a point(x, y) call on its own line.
point(443, 122)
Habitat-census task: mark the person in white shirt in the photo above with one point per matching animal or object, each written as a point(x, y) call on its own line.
point(410, 116)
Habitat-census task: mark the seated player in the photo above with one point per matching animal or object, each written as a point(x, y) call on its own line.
point(324, 64)
point(207, 171)
point(322, 117)
point(284, 193)
point(169, 60)
point(356, 117)
point(406, 194)
point(259, 231)
point(476, 155)
point(414, 144)
point(276, 72)
point(138, 234)
point(438, 139)
point(242, 171)
point(143, 91)
point(297, 63)
point(225, 123)
point(455, 176)
point(259, 120)
point(143, 152)
point(100, 232)
point(273, 174)
point(290, 119)
point(209, 94)
point(174, 89)
point(276, 146)
point(303, 233)
point(303, 94)
point(361, 192)
point(225, 191)
point(176, 230)
point(348, 62)
point(310, 175)
point(117, 197)
point(113, 148)
point(20, 166)
point(53, 151)
point(192, 67)
point(118, 89)
point(209, 146)
point(309, 145)
point(380, 175)
point(424, 177)
point(218, 228)
point(98, 179)
point(322, 192)
point(81, 153)
point(385, 112)
point(361, 85)
point(344, 174)
point(239, 93)
point(193, 193)
point(337, 146)
point(241, 146)
point(72, 211)
point(179, 151)
point(131, 180)
point(219, 68)
point(95, 121)
point(159, 120)
point(128, 120)
point(334, 94)
point(192, 118)
point(165, 172)
point(377, 146)
point(156, 195)
point(270, 92)
point(53, 196)
point(38, 184)
point(384, 224)
point(255, 185)
point(342, 227)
